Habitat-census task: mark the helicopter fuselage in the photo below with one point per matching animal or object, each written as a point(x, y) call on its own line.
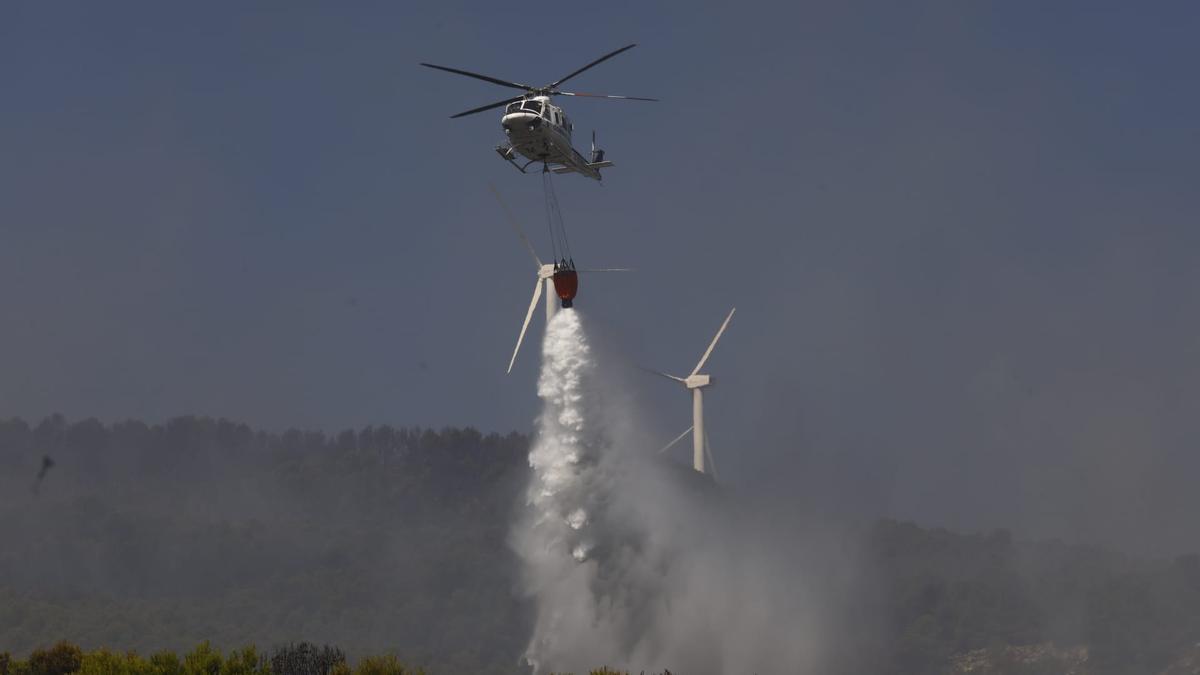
point(538, 129)
point(541, 132)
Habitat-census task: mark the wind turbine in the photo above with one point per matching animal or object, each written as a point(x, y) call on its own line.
point(696, 382)
point(545, 277)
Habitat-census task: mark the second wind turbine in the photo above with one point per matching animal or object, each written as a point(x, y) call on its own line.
point(696, 383)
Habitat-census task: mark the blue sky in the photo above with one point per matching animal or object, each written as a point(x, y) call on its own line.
point(960, 236)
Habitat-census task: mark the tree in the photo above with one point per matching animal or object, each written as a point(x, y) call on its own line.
point(203, 660)
point(384, 665)
point(166, 663)
point(305, 658)
point(61, 659)
point(245, 661)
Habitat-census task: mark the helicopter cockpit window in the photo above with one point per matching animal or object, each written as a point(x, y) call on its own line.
point(533, 107)
point(513, 107)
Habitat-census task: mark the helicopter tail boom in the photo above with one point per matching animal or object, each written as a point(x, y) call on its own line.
point(590, 165)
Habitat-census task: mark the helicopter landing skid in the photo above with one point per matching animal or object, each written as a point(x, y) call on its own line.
point(507, 153)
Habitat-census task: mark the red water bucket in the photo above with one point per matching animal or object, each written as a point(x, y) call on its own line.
point(566, 285)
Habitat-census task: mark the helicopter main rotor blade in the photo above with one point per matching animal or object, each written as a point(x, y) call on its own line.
point(488, 107)
point(628, 98)
point(598, 61)
point(485, 78)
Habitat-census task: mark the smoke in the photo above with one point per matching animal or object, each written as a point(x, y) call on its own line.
point(644, 565)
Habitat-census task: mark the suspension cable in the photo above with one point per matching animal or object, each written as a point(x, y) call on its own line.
point(558, 231)
point(547, 189)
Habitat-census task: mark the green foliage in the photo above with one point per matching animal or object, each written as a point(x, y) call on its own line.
point(203, 660)
point(61, 659)
point(305, 658)
point(5, 660)
point(102, 662)
point(384, 665)
point(245, 661)
point(105, 662)
point(166, 663)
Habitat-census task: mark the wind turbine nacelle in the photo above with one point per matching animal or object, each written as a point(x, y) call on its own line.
point(697, 381)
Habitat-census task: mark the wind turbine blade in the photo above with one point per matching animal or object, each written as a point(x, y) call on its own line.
point(608, 269)
point(516, 228)
point(708, 351)
point(661, 374)
point(537, 294)
point(678, 438)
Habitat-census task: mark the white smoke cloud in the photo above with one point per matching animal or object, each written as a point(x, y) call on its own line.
point(641, 565)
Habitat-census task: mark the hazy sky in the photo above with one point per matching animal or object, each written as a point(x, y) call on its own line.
point(961, 237)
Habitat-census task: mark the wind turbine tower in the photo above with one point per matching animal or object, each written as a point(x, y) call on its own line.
point(696, 383)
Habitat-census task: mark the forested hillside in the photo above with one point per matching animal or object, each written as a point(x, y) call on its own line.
point(151, 537)
point(948, 594)
point(395, 540)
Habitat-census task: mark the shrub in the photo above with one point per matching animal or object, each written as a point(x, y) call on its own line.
point(166, 663)
point(61, 659)
point(384, 665)
point(245, 661)
point(306, 658)
point(104, 662)
point(203, 660)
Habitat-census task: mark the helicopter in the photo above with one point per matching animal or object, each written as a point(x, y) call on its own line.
point(538, 129)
